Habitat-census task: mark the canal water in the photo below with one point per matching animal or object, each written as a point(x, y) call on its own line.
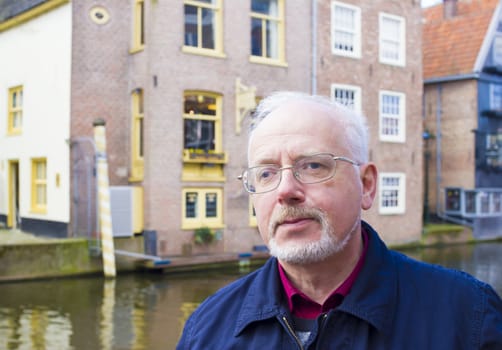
point(147, 311)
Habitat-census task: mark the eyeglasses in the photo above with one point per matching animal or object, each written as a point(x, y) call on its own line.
point(307, 170)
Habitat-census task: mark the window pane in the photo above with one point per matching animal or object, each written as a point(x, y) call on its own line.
point(200, 104)
point(345, 97)
point(199, 134)
point(272, 39)
point(191, 38)
point(344, 28)
point(141, 136)
point(41, 198)
point(256, 35)
point(208, 30)
point(266, 7)
point(211, 205)
point(191, 204)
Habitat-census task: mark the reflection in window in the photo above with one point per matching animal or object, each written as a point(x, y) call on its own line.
point(347, 95)
point(202, 24)
point(392, 116)
point(266, 27)
point(202, 207)
point(392, 40)
point(191, 204)
point(346, 29)
point(201, 119)
point(392, 193)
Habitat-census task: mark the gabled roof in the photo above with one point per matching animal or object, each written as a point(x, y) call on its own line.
point(452, 45)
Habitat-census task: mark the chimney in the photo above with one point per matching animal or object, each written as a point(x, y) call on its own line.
point(449, 8)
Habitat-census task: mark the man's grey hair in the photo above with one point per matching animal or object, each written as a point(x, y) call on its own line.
point(356, 127)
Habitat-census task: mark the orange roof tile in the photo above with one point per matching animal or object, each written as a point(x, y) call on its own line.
point(451, 46)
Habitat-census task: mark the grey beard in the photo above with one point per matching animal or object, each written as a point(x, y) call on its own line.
point(310, 252)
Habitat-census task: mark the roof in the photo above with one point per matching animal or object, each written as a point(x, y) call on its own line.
point(12, 8)
point(451, 46)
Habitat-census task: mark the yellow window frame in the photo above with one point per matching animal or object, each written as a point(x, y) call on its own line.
point(218, 136)
point(39, 185)
point(216, 7)
point(200, 220)
point(15, 111)
point(280, 21)
point(138, 31)
point(137, 136)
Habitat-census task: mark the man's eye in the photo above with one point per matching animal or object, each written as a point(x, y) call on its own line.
point(265, 174)
point(313, 165)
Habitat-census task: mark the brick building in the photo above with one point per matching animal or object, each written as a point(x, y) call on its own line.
point(174, 83)
point(463, 103)
point(368, 56)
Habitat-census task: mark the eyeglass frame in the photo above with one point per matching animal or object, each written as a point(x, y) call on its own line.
point(295, 174)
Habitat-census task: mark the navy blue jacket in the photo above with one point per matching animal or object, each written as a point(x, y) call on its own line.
point(395, 303)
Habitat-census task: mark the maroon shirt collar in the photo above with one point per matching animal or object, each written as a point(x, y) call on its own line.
point(301, 305)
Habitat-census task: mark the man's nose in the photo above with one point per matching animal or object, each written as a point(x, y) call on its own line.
point(290, 190)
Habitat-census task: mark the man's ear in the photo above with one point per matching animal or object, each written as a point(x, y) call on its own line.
point(369, 178)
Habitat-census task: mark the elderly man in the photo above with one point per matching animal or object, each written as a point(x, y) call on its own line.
point(331, 282)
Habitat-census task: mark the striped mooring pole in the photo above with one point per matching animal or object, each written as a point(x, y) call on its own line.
point(105, 218)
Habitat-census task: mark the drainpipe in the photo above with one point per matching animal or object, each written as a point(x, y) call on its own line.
point(438, 148)
point(314, 48)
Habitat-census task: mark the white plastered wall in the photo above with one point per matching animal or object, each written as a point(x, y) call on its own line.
point(37, 55)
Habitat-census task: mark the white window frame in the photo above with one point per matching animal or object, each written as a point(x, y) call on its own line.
point(338, 27)
point(401, 41)
point(400, 206)
point(357, 105)
point(401, 117)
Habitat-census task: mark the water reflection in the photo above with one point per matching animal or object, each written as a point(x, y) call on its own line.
point(147, 311)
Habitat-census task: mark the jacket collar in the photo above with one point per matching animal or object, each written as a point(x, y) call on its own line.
point(372, 297)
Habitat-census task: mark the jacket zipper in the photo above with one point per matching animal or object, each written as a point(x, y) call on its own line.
point(321, 328)
point(292, 332)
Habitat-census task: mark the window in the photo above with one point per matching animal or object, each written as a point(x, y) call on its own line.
point(345, 30)
point(138, 41)
point(39, 185)
point(347, 95)
point(392, 193)
point(202, 122)
point(203, 27)
point(392, 40)
point(267, 31)
point(496, 97)
point(15, 111)
point(202, 207)
point(137, 136)
point(392, 116)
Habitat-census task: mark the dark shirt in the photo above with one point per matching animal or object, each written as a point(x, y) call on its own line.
point(302, 306)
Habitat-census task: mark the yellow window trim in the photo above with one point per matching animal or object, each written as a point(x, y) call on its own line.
point(218, 26)
point(200, 221)
point(137, 160)
point(281, 60)
point(35, 182)
point(217, 118)
point(203, 52)
point(11, 110)
point(138, 29)
point(32, 13)
point(267, 61)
